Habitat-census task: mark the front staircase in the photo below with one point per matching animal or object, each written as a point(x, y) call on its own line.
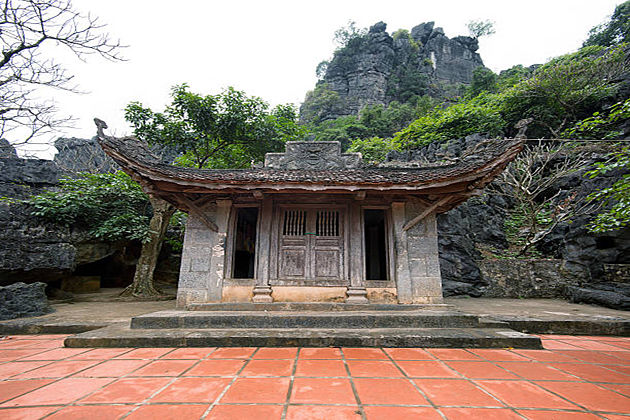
point(307, 325)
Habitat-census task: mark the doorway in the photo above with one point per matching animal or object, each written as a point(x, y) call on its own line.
point(375, 244)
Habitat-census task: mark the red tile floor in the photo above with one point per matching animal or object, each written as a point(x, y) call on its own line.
point(573, 378)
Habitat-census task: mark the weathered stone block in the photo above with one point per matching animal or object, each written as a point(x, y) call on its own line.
point(20, 300)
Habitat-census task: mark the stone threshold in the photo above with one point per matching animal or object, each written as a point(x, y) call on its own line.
point(123, 336)
point(315, 306)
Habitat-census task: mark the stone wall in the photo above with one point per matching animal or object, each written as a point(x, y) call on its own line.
point(525, 278)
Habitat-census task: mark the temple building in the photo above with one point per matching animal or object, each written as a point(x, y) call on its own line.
point(314, 224)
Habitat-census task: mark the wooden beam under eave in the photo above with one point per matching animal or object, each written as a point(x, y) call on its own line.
point(425, 213)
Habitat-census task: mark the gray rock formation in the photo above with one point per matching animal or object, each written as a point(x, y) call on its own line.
point(21, 300)
point(479, 223)
point(378, 68)
point(82, 155)
point(20, 178)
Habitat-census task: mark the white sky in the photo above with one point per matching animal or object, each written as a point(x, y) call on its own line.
point(271, 48)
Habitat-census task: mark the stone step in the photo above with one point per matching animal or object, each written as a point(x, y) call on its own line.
point(314, 306)
point(123, 336)
point(294, 319)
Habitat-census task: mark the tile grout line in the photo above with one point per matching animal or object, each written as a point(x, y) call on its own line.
point(413, 384)
point(352, 384)
point(285, 408)
point(227, 387)
point(55, 380)
point(531, 381)
point(143, 402)
point(115, 379)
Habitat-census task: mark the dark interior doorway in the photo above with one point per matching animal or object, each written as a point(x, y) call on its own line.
point(245, 243)
point(375, 245)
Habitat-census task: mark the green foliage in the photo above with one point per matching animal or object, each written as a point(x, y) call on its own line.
point(565, 90)
point(407, 84)
point(404, 34)
point(111, 207)
point(479, 115)
point(510, 77)
point(613, 32)
point(601, 125)
point(345, 35)
point(175, 235)
point(220, 131)
point(616, 198)
point(372, 121)
point(373, 149)
point(319, 102)
point(479, 28)
point(320, 70)
point(483, 80)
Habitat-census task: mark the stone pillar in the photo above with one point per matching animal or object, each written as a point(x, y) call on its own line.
point(401, 263)
point(262, 290)
point(356, 292)
point(203, 257)
point(424, 262)
point(418, 277)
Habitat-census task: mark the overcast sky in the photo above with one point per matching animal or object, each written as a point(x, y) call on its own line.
point(271, 48)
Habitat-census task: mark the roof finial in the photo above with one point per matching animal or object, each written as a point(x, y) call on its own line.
point(100, 126)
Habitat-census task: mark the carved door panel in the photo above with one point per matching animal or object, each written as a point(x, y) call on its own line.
point(294, 245)
point(311, 245)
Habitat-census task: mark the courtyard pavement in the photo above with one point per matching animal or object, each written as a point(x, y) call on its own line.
point(575, 377)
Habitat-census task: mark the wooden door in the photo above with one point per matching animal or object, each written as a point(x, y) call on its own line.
point(311, 245)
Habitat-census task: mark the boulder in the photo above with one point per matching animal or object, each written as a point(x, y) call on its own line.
point(22, 300)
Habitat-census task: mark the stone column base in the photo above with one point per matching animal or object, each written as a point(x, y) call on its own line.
point(356, 295)
point(262, 294)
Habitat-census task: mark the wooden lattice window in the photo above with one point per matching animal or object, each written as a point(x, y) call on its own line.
point(294, 223)
point(327, 223)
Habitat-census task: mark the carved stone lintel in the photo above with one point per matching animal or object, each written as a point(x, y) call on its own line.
point(356, 295)
point(262, 294)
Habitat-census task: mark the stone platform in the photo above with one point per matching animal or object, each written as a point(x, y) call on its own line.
point(307, 325)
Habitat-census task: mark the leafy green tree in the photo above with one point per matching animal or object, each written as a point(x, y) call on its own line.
point(226, 130)
point(565, 89)
point(479, 28)
point(480, 115)
point(111, 207)
point(319, 102)
point(510, 77)
point(483, 80)
point(613, 32)
point(615, 199)
point(373, 149)
point(344, 35)
point(601, 125)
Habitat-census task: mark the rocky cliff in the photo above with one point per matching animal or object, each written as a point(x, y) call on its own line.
point(378, 68)
point(581, 257)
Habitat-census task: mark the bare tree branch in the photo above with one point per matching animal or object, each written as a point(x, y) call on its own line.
point(27, 28)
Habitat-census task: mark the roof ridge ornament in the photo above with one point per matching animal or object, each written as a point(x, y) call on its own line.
point(313, 155)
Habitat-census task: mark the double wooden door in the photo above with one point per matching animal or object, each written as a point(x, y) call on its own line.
point(311, 245)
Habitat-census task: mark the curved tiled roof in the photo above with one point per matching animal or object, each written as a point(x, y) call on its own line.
point(473, 171)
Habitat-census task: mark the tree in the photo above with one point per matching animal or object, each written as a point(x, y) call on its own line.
point(615, 198)
point(28, 31)
point(613, 32)
point(111, 207)
point(373, 149)
point(479, 28)
point(347, 33)
point(566, 89)
point(538, 205)
point(226, 130)
point(483, 80)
